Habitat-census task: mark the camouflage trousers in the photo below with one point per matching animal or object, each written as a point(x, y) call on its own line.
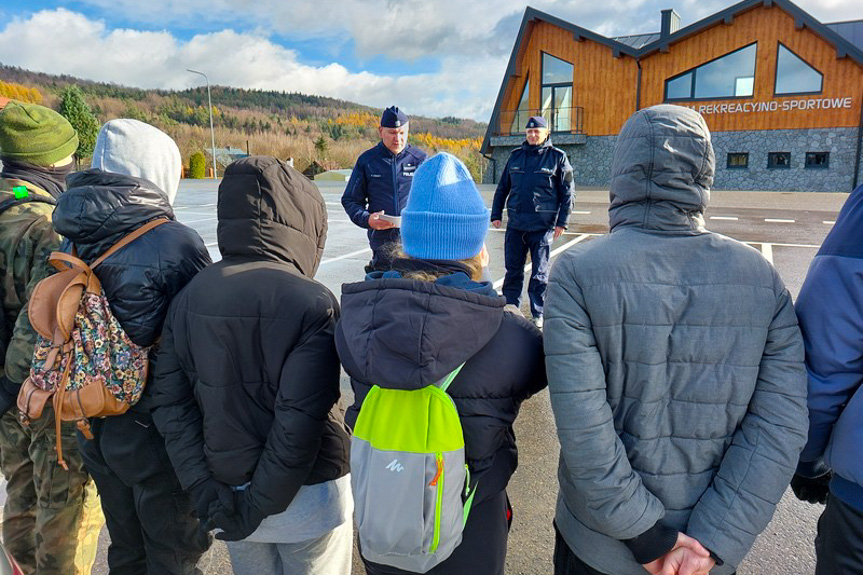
point(52, 517)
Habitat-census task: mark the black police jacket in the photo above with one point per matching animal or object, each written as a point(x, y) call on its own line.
point(379, 181)
point(537, 188)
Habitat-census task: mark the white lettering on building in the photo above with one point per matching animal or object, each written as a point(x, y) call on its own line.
point(774, 106)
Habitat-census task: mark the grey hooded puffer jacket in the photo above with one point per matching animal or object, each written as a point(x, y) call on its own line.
point(675, 363)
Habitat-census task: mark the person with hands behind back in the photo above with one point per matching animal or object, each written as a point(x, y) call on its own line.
point(247, 385)
point(675, 369)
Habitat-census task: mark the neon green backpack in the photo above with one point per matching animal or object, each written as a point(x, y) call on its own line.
point(411, 485)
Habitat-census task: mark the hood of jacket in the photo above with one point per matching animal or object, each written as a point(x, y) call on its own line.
point(269, 210)
point(662, 171)
point(131, 147)
point(99, 208)
point(406, 334)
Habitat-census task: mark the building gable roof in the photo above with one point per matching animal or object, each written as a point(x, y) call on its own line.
point(640, 45)
point(802, 19)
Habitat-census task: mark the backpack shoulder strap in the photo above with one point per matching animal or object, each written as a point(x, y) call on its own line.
point(445, 382)
point(23, 195)
point(129, 238)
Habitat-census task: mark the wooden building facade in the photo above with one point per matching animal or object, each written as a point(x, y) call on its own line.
point(781, 92)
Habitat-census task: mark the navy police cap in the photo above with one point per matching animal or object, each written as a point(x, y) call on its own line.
point(536, 122)
point(393, 118)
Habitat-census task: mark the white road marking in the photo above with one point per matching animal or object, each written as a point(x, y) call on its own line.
point(767, 250)
point(345, 256)
point(729, 218)
point(581, 213)
point(198, 221)
point(778, 221)
point(782, 245)
point(496, 285)
point(829, 222)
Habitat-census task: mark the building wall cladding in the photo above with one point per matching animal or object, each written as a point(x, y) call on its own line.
point(591, 161)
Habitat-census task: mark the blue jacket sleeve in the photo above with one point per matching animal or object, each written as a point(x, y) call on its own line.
point(830, 311)
point(501, 193)
point(565, 192)
point(355, 199)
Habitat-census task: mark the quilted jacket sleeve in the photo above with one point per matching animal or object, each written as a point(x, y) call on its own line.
point(176, 414)
point(611, 497)
point(308, 389)
point(760, 461)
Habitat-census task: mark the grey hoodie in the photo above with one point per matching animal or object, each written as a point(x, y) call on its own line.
point(675, 363)
point(136, 149)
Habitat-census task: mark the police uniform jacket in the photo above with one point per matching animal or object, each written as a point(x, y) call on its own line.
point(381, 180)
point(537, 188)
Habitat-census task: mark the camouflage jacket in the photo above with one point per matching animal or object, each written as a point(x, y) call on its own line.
point(26, 241)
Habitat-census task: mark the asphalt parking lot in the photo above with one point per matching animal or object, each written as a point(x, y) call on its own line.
point(786, 227)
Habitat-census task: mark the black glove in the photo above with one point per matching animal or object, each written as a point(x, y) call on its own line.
point(8, 395)
point(209, 491)
point(242, 523)
point(812, 489)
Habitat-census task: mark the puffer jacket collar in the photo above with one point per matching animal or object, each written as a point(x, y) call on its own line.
point(662, 171)
point(99, 208)
point(413, 333)
point(269, 211)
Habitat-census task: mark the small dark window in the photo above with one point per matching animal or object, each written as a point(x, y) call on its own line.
point(779, 159)
point(818, 160)
point(738, 161)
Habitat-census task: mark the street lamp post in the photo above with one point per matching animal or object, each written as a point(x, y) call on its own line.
point(209, 109)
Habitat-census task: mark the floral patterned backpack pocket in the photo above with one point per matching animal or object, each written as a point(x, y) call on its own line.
point(83, 361)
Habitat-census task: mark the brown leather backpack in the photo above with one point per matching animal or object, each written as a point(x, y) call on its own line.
point(83, 361)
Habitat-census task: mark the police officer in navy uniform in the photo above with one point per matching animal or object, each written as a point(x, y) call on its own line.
point(538, 189)
point(380, 184)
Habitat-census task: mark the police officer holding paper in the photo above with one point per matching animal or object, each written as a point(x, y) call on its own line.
point(538, 189)
point(379, 186)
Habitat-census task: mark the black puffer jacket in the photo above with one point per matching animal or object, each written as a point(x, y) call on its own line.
point(140, 280)
point(406, 334)
point(248, 377)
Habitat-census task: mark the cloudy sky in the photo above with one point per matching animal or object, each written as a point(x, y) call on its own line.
point(435, 57)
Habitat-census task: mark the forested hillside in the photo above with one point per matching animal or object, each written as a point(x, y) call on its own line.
point(307, 128)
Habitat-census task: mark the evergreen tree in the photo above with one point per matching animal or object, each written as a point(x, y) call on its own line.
point(75, 109)
point(321, 146)
point(197, 166)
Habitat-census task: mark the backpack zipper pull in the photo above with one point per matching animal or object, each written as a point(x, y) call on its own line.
point(439, 461)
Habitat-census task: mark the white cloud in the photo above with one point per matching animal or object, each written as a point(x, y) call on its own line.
point(409, 30)
point(88, 49)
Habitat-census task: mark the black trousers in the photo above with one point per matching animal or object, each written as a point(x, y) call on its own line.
point(517, 244)
point(567, 563)
point(483, 546)
point(151, 520)
point(839, 543)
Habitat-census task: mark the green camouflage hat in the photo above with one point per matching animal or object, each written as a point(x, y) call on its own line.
point(35, 134)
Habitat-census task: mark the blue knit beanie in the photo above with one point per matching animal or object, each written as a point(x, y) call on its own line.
point(445, 218)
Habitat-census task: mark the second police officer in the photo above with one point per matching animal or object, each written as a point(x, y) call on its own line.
point(380, 184)
point(537, 188)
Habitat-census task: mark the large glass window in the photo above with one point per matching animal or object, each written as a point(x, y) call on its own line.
point(557, 93)
point(523, 113)
point(555, 70)
point(729, 76)
point(794, 76)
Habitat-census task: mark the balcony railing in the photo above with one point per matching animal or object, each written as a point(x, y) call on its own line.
point(559, 120)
